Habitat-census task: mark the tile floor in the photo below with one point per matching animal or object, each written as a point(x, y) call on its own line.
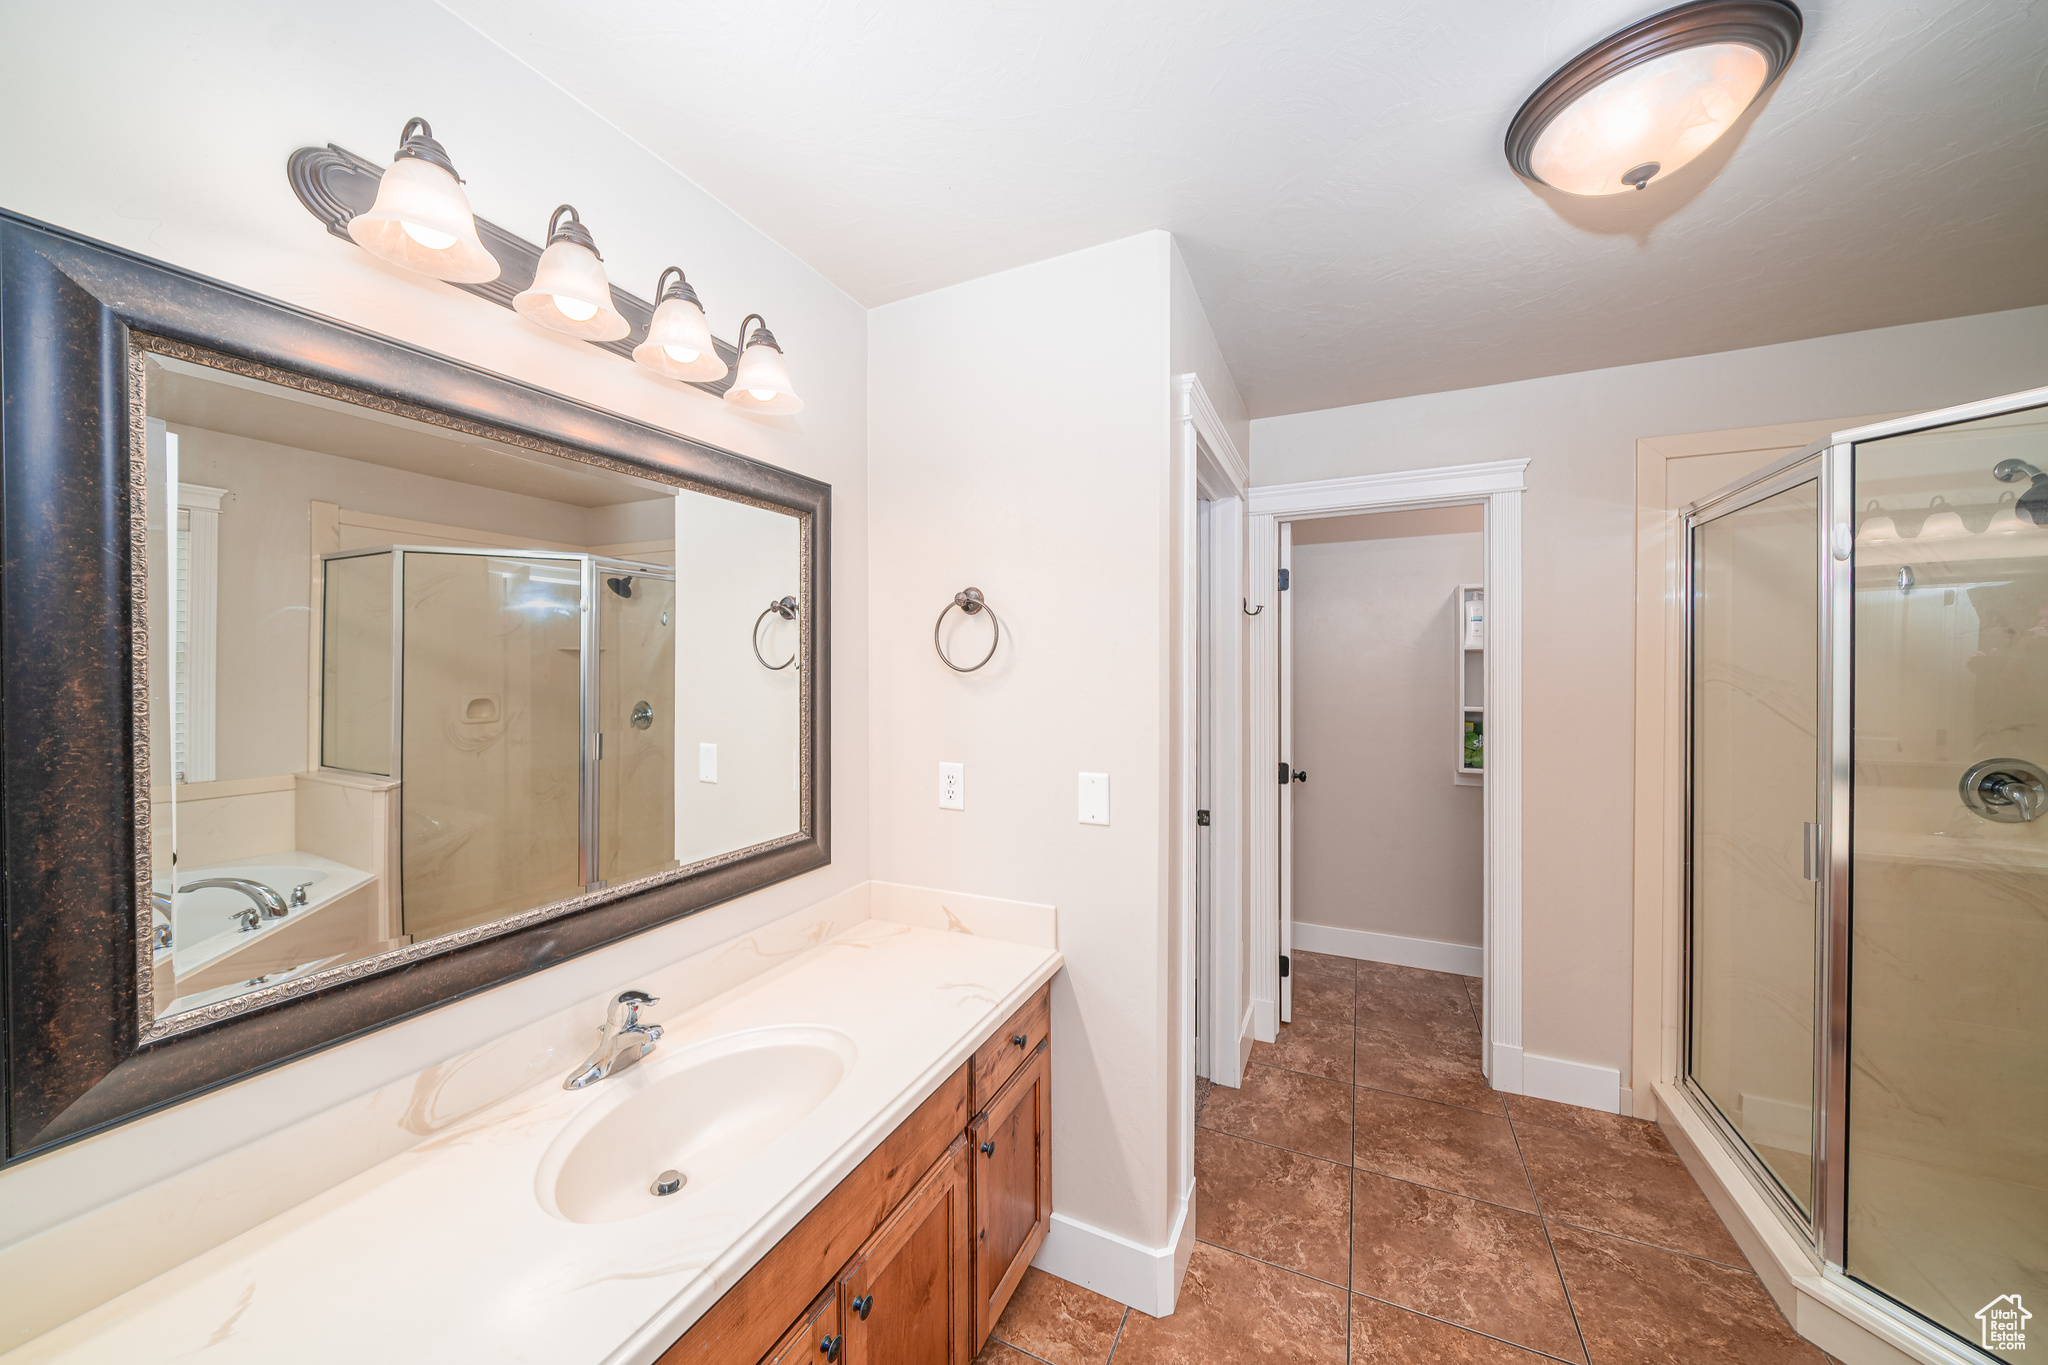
point(1365, 1198)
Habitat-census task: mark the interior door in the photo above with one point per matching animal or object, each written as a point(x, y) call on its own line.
point(1947, 1156)
point(1286, 709)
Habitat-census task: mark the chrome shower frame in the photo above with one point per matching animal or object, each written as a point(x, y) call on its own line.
point(590, 738)
point(1831, 461)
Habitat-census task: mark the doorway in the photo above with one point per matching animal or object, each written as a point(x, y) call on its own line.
point(1277, 512)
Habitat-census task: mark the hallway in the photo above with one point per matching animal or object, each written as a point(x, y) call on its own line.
point(1365, 1151)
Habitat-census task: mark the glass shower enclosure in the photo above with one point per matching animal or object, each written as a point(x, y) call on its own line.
point(523, 701)
point(1867, 856)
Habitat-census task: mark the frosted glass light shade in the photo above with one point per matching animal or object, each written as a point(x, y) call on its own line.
point(762, 383)
point(1660, 114)
point(421, 220)
point(570, 294)
point(1878, 530)
point(679, 344)
point(1642, 102)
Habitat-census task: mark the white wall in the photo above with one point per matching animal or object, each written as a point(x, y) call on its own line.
point(1579, 431)
point(1019, 443)
point(165, 130)
point(1384, 840)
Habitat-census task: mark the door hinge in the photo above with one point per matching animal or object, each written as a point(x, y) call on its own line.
point(1283, 966)
point(1201, 817)
point(1286, 773)
point(1283, 580)
point(1811, 852)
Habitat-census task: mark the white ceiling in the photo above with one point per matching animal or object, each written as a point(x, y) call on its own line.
point(1333, 170)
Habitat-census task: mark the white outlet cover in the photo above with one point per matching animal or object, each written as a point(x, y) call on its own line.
point(707, 762)
point(1094, 798)
point(952, 786)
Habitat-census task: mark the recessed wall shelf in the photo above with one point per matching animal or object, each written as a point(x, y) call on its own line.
point(1470, 762)
point(335, 185)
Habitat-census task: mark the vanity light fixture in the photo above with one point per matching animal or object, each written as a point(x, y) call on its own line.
point(570, 293)
point(761, 383)
point(1652, 97)
point(678, 340)
point(421, 219)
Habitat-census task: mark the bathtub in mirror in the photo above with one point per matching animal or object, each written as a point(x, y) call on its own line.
point(431, 679)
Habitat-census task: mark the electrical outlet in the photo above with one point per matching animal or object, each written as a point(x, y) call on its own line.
point(707, 762)
point(1094, 798)
point(952, 786)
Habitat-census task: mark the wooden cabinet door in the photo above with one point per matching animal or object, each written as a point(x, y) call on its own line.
point(816, 1339)
point(907, 1299)
point(1012, 1142)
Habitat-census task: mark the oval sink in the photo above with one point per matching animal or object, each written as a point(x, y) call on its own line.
point(701, 1111)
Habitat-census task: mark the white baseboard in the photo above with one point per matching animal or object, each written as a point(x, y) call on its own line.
point(1367, 946)
point(1246, 1035)
point(1265, 1020)
point(1580, 1083)
point(1146, 1278)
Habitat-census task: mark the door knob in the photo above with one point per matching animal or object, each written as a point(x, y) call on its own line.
point(1301, 775)
point(830, 1346)
point(988, 1148)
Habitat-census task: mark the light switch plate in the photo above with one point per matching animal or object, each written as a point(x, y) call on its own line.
point(1094, 798)
point(952, 786)
point(707, 762)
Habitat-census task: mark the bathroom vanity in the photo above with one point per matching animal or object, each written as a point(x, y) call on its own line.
point(856, 1123)
point(915, 1254)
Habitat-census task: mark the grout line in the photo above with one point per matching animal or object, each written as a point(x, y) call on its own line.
point(1653, 1246)
point(1022, 1352)
point(1403, 1094)
point(1117, 1340)
point(1543, 1221)
point(1260, 1260)
point(1474, 1331)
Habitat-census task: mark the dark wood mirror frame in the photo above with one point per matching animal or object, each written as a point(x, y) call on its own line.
point(74, 314)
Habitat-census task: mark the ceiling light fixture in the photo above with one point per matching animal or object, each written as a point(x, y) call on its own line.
point(1652, 97)
point(421, 219)
point(761, 383)
point(678, 340)
point(570, 293)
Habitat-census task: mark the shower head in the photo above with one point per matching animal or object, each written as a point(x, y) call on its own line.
point(622, 586)
point(2033, 504)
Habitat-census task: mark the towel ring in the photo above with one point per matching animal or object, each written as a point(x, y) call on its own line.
point(970, 601)
point(786, 609)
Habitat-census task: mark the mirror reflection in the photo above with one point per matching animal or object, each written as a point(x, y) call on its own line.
point(407, 680)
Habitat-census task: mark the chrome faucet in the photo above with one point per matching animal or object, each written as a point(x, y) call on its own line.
point(621, 1041)
point(265, 899)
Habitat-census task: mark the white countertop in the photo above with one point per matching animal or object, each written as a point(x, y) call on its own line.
point(445, 1252)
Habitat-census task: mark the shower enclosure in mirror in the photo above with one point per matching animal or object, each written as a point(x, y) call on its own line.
point(415, 682)
point(1867, 857)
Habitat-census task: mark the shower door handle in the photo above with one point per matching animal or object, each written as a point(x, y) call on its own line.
point(1810, 838)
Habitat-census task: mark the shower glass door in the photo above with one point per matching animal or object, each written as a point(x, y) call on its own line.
point(491, 742)
point(1947, 1138)
point(1754, 761)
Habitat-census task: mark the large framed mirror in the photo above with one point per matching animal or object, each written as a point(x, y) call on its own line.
point(342, 680)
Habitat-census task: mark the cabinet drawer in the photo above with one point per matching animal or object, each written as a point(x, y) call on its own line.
point(1003, 1055)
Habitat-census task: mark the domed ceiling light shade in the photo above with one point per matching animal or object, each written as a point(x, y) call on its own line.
point(679, 341)
point(762, 382)
point(1653, 96)
point(570, 293)
point(421, 219)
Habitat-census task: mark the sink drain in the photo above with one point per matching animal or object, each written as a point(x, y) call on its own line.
point(668, 1182)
